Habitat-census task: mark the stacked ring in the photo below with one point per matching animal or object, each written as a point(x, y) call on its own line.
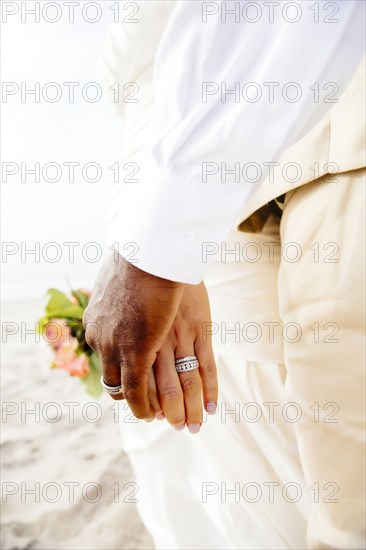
point(184, 364)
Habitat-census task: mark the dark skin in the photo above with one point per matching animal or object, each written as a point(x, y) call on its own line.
point(138, 323)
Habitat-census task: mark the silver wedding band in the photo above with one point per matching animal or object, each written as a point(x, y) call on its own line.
point(112, 390)
point(185, 364)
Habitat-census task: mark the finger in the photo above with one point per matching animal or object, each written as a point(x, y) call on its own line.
point(111, 373)
point(192, 390)
point(208, 374)
point(169, 388)
point(135, 387)
point(153, 396)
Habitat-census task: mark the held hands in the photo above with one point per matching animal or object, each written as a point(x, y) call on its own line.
point(139, 324)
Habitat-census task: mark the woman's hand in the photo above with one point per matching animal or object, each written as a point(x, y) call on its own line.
point(180, 396)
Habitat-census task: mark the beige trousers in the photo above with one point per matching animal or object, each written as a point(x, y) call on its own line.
point(323, 293)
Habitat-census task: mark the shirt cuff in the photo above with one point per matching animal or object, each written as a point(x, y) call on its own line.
point(172, 226)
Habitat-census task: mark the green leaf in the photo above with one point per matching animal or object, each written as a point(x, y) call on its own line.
point(81, 297)
point(42, 323)
point(58, 300)
point(92, 381)
point(59, 305)
point(71, 312)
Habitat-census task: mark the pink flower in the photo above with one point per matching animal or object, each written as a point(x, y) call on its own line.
point(79, 366)
point(57, 332)
point(67, 359)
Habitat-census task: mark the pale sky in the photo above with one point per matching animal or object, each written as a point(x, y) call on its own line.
point(54, 132)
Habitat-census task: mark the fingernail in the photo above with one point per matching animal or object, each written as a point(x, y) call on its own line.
point(194, 428)
point(160, 416)
point(211, 407)
point(180, 427)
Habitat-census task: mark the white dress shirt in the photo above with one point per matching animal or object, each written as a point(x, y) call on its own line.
point(235, 83)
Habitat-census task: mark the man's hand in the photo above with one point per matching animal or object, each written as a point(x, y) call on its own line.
point(126, 322)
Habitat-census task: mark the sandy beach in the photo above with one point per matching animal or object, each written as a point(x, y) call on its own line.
point(66, 483)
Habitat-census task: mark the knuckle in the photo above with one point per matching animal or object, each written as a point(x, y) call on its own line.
point(170, 393)
point(89, 338)
point(84, 319)
point(208, 367)
point(88, 333)
point(191, 384)
point(182, 332)
point(92, 334)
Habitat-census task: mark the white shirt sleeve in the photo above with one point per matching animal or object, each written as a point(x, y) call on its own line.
point(230, 95)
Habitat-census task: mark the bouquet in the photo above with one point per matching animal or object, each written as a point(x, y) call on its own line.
point(63, 330)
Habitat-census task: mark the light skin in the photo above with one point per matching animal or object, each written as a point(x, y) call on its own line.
point(138, 324)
